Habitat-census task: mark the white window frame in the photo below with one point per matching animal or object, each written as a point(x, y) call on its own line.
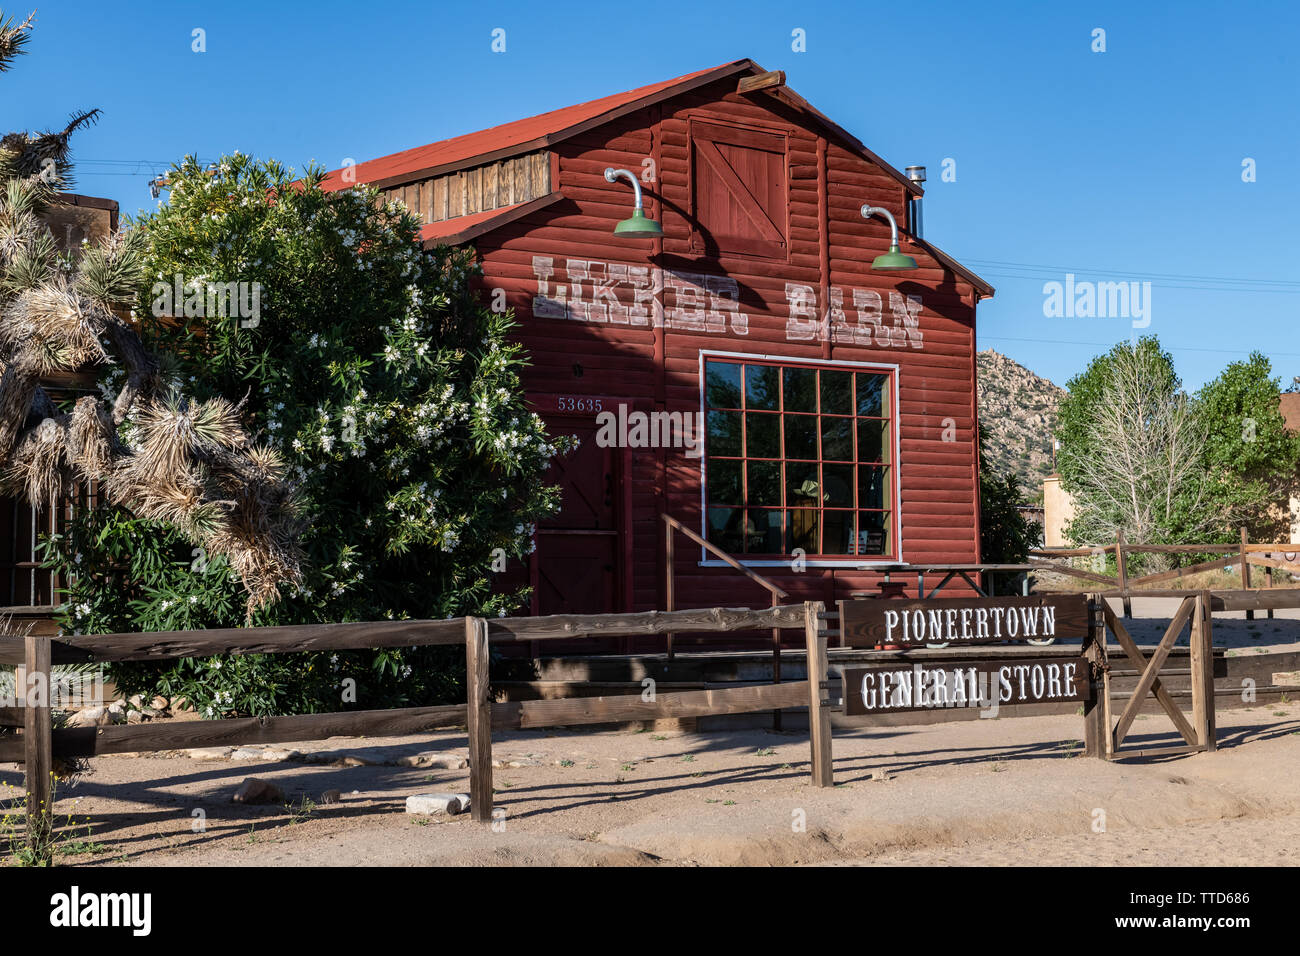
point(896, 485)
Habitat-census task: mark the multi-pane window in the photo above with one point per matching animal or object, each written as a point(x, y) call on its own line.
point(798, 456)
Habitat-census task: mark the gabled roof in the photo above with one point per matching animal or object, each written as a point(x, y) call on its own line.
point(547, 129)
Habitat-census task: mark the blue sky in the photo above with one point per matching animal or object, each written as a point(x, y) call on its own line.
point(1123, 165)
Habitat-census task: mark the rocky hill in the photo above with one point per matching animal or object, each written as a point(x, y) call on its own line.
point(1018, 412)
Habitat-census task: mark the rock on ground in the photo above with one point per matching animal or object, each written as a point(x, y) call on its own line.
point(448, 803)
point(257, 790)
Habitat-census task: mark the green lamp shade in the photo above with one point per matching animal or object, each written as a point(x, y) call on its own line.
point(639, 225)
point(893, 259)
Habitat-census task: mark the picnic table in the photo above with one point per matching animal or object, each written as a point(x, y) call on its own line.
point(949, 571)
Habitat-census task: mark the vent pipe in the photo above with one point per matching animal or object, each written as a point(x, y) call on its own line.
point(917, 175)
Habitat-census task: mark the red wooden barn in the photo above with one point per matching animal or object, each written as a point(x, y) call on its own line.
point(838, 400)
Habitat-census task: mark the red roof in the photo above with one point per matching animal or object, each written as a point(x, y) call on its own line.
point(458, 229)
point(445, 228)
point(509, 136)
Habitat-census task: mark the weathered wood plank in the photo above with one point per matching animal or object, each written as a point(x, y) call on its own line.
point(628, 707)
point(761, 81)
point(163, 645)
point(1208, 728)
point(160, 645)
point(1073, 572)
point(183, 735)
point(1171, 751)
point(456, 194)
point(1255, 600)
point(1175, 573)
point(819, 718)
point(489, 191)
point(439, 210)
point(1157, 688)
point(541, 173)
point(38, 754)
point(1150, 675)
point(1094, 650)
point(713, 620)
point(479, 717)
point(13, 653)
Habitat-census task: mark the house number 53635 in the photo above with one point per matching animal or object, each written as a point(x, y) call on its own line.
point(571, 403)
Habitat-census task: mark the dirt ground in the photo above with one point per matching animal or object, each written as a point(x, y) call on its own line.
point(979, 792)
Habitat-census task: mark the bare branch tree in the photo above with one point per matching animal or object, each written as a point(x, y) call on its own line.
point(1148, 476)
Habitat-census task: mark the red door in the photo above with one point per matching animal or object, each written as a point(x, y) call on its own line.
point(578, 549)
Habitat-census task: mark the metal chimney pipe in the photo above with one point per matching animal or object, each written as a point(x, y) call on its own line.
point(917, 175)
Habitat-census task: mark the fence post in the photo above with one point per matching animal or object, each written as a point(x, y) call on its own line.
point(819, 718)
point(478, 699)
point(38, 749)
point(1121, 567)
point(1202, 647)
point(670, 597)
point(1095, 725)
point(776, 666)
point(1245, 569)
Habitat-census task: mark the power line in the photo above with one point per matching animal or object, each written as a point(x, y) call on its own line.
point(1032, 272)
point(1106, 345)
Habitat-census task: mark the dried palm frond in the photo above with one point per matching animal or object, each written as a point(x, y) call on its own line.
point(58, 321)
point(40, 464)
point(173, 432)
point(91, 439)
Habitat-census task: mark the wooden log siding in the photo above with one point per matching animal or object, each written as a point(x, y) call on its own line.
point(464, 192)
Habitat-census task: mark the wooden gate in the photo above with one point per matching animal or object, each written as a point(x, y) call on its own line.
point(1199, 732)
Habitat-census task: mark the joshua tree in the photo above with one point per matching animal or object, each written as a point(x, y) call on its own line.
point(149, 448)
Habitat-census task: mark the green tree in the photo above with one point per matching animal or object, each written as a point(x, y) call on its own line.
point(1006, 533)
point(1251, 458)
point(393, 396)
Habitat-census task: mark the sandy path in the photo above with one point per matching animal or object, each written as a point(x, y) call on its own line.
point(962, 793)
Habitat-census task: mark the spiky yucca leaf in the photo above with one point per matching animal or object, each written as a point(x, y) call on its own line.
point(29, 259)
point(216, 422)
point(111, 272)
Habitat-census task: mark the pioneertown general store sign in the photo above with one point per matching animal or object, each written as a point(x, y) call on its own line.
point(984, 683)
point(963, 621)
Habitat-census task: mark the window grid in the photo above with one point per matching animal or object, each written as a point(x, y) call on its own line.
point(846, 464)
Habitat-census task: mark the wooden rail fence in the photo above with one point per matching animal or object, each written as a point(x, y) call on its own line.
point(1268, 557)
point(38, 745)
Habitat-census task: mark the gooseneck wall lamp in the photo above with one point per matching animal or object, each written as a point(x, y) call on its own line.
point(638, 224)
point(893, 259)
